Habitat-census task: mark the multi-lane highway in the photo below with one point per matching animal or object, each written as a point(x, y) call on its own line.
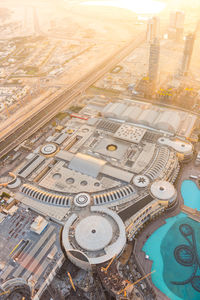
point(30, 125)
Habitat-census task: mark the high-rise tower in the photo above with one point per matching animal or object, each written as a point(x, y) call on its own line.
point(176, 25)
point(154, 56)
point(187, 53)
point(153, 29)
point(25, 17)
point(36, 22)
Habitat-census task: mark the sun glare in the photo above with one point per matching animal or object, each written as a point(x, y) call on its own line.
point(139, 7)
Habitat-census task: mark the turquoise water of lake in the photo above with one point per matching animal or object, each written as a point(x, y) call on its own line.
point(174, 249)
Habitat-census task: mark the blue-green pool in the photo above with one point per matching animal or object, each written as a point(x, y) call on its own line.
point(174, 249)
point(190, 194)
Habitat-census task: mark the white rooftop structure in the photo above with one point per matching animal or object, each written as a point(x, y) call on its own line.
point(168, 121)
point(48, 149)
point(178, 145)
point(131, 113)
point(93, 233)
point(39, 225)
point(82, 199)
point(118, 109)
point(172, 121)
point(135, 111)
point(110, 147)
point(86, 164)
point(93, 236)
point(130, 133)
point(163, 190)
point(141, 181)
point(114, 109)
point(148, 117)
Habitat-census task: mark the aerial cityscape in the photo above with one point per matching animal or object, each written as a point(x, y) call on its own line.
point(99, 150)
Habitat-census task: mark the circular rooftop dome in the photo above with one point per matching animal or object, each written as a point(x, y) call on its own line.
point(93, 233)
point(82, 199)
point(48, 149)
point(163, 190)
point(70, 131)
point(141, 181)
point(111, 147)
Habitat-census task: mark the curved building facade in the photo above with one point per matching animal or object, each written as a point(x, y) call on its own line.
point(98, 181)
point(93, 235)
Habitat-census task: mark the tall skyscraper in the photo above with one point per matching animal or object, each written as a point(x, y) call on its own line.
point(153, 29)
point(25, 17)
point(187, 53)
point(36, 22)
point(197, 29)
point(154, 56)
point(176, 25)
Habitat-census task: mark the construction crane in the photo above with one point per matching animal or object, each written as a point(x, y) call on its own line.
point(71, 281)
point(108, 266)
point(15, 248)
point(33, 282)
point(134, 283)
point(6, 292)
